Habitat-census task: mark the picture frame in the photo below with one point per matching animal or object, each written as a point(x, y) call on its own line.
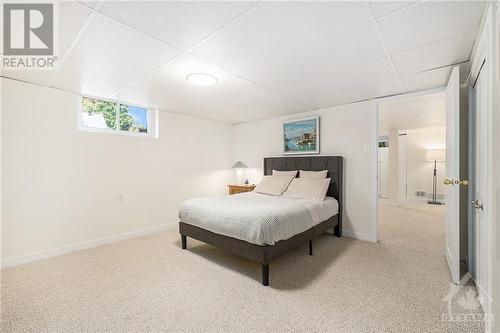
point(301, 136)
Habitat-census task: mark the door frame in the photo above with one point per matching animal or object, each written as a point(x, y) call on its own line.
point(484, 53)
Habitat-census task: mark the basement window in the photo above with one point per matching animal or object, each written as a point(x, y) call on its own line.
point(114, 117)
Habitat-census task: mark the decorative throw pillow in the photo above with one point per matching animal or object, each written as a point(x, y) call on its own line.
point(307, 188)
point(273, 185)
point(285, 173)
point(313, 174)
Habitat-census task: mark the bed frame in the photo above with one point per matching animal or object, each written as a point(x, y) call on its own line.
point(265, 254)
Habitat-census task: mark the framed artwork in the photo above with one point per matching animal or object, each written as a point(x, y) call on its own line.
point(301, 136)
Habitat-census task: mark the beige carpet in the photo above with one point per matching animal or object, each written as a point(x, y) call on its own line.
point(151, 285)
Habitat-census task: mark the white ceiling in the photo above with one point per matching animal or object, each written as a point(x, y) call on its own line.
point(414, 112)
point(270, 58)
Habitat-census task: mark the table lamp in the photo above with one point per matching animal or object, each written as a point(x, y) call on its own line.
point(240, 168)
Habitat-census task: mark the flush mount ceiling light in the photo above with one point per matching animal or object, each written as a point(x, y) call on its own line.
point(201, 79)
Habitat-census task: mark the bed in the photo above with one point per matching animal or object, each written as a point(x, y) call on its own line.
point(261, 227)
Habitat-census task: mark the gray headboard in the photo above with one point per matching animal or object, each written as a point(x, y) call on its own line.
point(334, 165)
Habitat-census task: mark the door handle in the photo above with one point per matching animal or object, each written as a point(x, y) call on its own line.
point(476, 204)
point(449, 182)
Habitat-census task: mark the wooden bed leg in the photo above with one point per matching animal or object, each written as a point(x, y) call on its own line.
point(265, 274)
point(183, 242)
point(310, 247)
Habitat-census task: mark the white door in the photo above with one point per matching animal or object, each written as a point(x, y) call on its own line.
point(452, 193)
point(479, 189)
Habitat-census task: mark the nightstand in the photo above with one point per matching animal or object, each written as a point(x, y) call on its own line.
point(235, 189)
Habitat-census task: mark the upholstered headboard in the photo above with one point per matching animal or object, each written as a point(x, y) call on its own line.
point(334, 165)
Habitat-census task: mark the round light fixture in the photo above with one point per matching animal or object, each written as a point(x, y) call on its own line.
point(201, 79)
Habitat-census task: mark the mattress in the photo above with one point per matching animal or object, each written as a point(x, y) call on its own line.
point(256, 218)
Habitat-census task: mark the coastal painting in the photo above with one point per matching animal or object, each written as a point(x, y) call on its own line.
point(301, 136)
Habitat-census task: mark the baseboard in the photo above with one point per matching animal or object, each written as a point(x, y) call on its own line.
point(358, 235)
point(450, 259)
point(24, 259)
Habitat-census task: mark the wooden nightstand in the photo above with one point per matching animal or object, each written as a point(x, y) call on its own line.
point(235, 189)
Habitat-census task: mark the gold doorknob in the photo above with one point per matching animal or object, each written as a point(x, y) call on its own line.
point(449, 182)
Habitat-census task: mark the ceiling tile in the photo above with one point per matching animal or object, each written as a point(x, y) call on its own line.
point(43, 77)
point(355, 89)
point(72, 17)
point(169, 82)
point(182, 24)
point(429, 21)
point(381, 8)
point(321, 75)
point(83, 84)
point(273, 30)
point(413, 112)
point(259, 106)
point(113, 52)
point(442, 53)
point(137, 97)
point(269, 105)
point(388, 88)
point(90, 4)
point(431, 79)
point(426, 80)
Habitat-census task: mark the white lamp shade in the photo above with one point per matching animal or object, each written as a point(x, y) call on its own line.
point(436, 155)
point(239, 165)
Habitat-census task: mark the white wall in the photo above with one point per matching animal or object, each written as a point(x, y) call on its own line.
point(419, 170)
point(60, 185)
point(388, 180)
point(383, 172)
point(349, 131)
point(393, 169)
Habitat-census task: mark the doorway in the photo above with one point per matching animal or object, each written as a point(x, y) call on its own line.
point(411, 170)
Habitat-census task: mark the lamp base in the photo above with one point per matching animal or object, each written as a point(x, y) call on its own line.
point(435, 202)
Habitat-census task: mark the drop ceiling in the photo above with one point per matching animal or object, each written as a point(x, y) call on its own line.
point(412, 112)
point(270, 58)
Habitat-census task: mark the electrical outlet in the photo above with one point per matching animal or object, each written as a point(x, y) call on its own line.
point(120, 198)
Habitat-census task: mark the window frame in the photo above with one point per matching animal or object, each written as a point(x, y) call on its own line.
point(151, 116)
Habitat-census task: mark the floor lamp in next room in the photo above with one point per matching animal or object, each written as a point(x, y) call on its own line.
point(435, 155)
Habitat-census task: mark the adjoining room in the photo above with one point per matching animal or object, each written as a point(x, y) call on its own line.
point(411, 171)
point(250, 166)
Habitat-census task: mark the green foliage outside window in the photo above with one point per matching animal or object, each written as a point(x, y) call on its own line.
point(108, 111)
point(126, 120)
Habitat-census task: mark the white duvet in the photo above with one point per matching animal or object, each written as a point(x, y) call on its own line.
point(256, 218)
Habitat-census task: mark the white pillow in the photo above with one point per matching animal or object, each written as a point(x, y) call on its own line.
point(313, 174)
point(285, 173)
point(273, 185)
point(307, 188)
